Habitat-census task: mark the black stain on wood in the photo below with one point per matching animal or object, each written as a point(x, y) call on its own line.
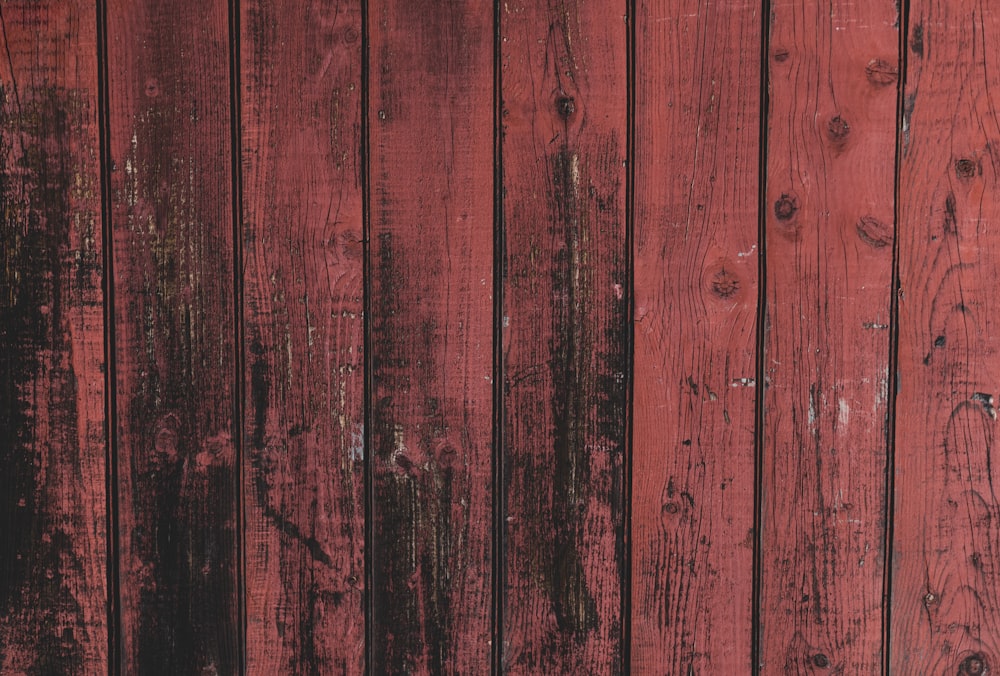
point(413, 561)
point(917, 40)
point(574, 606)
point(950, 223)
point(38, 559)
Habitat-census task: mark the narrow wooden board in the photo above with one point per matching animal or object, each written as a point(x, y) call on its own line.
point(431, 262)
point(53, 534)
point(301, 111)
point(697, 130)
point(830, 212)
point(169, 118)
point(565, 333)
point(945, 592)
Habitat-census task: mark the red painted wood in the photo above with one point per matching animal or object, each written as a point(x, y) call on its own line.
point(945, 592)
point(301, 70)
point(696, 248)
point(431, 234)
point(53, 540)
point(564, 94)
point(829, 210)
point(168, 67)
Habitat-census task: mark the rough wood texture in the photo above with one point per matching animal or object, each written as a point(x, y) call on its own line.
point(53, 551)
point(696, 229)
point(431, 178)
point(564, 147)
point(301, 69)
point(829, 210)
point(168, 66)
point(945, 593)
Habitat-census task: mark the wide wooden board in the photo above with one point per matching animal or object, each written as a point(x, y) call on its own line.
point(171, 193)
point(430, 246)
point(53, 508)
point(697, 127)
point(829, 205)
point(565, 333)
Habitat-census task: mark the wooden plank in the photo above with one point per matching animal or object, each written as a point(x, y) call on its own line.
point(301, 70)
point(945, 592)
point(431, 235)
point(565, 333)
point(830, 212)
point(169, 119)
point(696, 258)
point(53, 535)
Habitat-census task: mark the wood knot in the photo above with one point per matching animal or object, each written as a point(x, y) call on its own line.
point(725, 284)
point(781, 55)
point(881, 73)
point(820, 660)
point(671, 508)
point(566, 106)
point(786, 206)
point(972, 665)
point(874, 232)
point(838, 130)
point(966, 168)
point(152, 89)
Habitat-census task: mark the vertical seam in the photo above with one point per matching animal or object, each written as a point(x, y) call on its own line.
point(627, 460)
point(760, 375)
point(239, 403)
point(110, 369)
point(893, 361)
point(499, 266)
point(368, 460)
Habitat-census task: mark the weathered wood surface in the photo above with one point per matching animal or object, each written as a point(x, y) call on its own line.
point(828, 260)
point(463, 337)
point(304, 487)
point(564, 122)
point(431, 335)
point(945, 596)
point(697, 126)
point(53, 535)
point(175, 351)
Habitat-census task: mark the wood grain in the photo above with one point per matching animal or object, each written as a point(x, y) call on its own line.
point(169, 117)
point(697, 123)
point(431, 248)
point(53, 534)
point(301, 69)
point(565, 333)
point(830, 210)
point(945, 595)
